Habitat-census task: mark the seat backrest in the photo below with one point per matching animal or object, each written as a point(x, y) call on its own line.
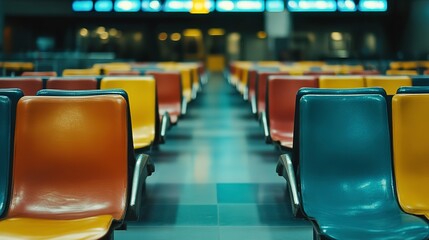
point(341, 82)
point(365, 72)
point(281, 94)
point(321, 91)
point(420, 80)
point(81, 72)
point(70, 157)
point(143, 106)
point(28, 85)
point(72, 83)
point(261, 88)
point(401, 72)
point(123, 73)
point(8, 100)
point(5, 150)
point(168, 86)
point(410, 116)
point(319, 73)
point(251, 82)
point(389, 83)
point(39, 74)
point(345, 157)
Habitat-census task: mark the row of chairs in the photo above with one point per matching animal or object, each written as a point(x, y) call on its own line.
point(157, 94)
point(340, 173)
point(48, 189)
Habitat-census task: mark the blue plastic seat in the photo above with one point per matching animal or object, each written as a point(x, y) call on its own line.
point(420, 80)
point(346, 170)
point(140, 165)
point(8, 100)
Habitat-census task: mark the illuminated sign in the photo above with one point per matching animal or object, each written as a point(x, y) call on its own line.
point(240, 6)
point(372, 5)
point(346, 6)
point(82, 6)
point(312, 5)
point(274, 6)
point(127, 5)
point(103, 6)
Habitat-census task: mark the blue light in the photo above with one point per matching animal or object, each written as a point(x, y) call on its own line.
point(346, 6)
point(373, 6)
point(82, 6)
point(151, 5)
point(275, 6)
point(240, 6)
point(103, 6)
point(312, 5)
point(127, 5)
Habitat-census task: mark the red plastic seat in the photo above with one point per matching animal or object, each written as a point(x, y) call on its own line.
point(251, 86)
point(28, 85)
point(168, 85)
point(281, 105)
point(261, 88)
point(72, 83)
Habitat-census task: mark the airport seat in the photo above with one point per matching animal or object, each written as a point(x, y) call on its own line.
point(123, 73)
point(343, 81)
point(347, 187)
point(143, 106)
point(281, 94)
point(72, 83)
point(288, 164)
point(401, 72)
point(92, 72)
point(365, 72)
point(319, 73)
point(39, 74)
point(64, 186)
point(261, 88)
point(389, 83)
point(251, 89)
point(8, 100)
point(169, 93)
point(139, 164)
point(410, 136)
point(28, 85)
point(420, 80)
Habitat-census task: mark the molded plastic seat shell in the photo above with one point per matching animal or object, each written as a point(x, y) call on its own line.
point(281, 105)
point(410, 114)
point(72, 83)
point(341, 82)
point(261, 88)
point(143, 106)
point(28, 85)
point(389, 83)
point(346, 170)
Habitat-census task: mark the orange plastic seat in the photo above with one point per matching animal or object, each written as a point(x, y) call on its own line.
point(39, 74)
point(251, 92)
point(28, 85)
point(389, 83)
point(410, 115)
point(281, 96)
point(143, 106)
point(168, 85)
point(401, 72)
point(72, 83)
point(365, 72)
point(69, 168)
point(341, 82)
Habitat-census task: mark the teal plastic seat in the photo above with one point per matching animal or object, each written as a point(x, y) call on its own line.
point(346, 170)
point(8, 100)
point(140, 166)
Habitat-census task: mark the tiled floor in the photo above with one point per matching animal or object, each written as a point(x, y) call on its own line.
point(215, 178)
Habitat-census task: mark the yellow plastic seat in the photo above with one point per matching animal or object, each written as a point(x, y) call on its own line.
point(410, 116)
point(341, 82)
point(395, 72)
point(29, 229)
point(107, 68)
point(389, 83)
point(81, 72)
point(143, 106)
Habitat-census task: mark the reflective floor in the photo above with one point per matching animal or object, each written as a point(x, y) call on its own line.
point(215, 178)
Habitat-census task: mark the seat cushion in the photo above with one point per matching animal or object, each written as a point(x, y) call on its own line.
point(385, 225)
point(82, 229)
point(282, 132)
